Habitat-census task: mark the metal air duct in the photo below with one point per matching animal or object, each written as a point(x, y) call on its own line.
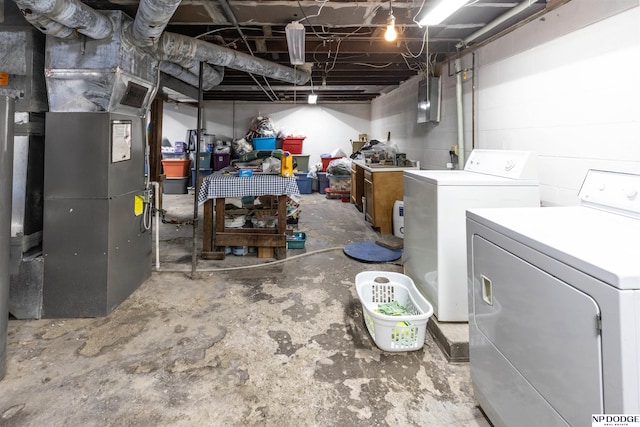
point(212, 76)
point(107, 75)
point(151, 19)
point(177, 46)
point(73, 14)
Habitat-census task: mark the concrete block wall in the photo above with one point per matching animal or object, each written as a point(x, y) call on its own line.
point(563, 85)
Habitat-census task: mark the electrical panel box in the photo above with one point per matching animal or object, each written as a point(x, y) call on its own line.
point(429, 95)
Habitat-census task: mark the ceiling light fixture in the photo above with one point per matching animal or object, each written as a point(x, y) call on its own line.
point(295, 42)
point(391, 34)
point(442, 11)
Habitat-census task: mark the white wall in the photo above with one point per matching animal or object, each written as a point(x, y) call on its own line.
point(327, 127)
point(563, 86)
point(396, 112)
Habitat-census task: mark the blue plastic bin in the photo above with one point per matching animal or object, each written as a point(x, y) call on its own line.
point(304, 183)
point(264, 143)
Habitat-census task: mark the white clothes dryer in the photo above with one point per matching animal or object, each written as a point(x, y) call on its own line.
point(554, 299)
point(435, 202)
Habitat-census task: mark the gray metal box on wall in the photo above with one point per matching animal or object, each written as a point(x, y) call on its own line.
point(96, 250)
point(429, 100)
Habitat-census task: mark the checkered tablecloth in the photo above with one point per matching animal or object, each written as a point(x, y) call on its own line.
point(218, 186)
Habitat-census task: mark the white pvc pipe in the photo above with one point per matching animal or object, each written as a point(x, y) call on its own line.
point(156, 191)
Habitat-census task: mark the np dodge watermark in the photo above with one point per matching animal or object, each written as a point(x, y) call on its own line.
point(615, 420)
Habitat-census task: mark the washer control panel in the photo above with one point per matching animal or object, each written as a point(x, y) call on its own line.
point(615, 191)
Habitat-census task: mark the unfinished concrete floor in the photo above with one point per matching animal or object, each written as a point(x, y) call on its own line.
point(280, 344)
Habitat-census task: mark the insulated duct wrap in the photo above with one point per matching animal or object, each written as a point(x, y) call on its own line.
point(98, 75)
point(181, 48)
point(212, 76)
point(72, 14)
point(151, 20)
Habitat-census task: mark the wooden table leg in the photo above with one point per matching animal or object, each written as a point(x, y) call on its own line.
point(281, 252)
point(219, 220)
point(207, 226)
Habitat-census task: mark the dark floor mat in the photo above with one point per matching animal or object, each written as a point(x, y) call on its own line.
point(390, 241)
point(371, 252)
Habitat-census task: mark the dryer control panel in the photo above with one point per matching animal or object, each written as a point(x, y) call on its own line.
point(504, 163)
point(612, 191)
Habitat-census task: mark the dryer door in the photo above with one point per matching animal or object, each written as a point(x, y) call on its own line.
point(545, 328)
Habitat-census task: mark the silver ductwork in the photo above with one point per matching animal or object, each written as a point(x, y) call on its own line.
point(181, 47)
point(117, 70)
point(211, 76)
point(49, 26)
point(151, 20)
point(71, 14)
point(107, 75)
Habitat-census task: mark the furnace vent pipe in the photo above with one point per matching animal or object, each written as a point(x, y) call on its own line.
point(151, 20)
point(73, 14)
point(183, 48)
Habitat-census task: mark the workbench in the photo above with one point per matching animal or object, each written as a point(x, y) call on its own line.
point(215, 188)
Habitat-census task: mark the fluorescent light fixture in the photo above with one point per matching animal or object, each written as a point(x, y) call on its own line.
point(313, 98)
point(390, 35)
point(442, 11)
point(295, 41)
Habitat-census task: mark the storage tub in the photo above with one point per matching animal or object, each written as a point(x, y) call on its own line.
point(176, 168)
point(221, 160)
point(393, 333)
point(302, 162)
point(205, 160)
point(304, 183)
point(296, 240)
point(292, 145)
point(175, 155)
point(264, 143)
point(175, 185)
point(326, 161)
point(323, 182)
point(340, 183)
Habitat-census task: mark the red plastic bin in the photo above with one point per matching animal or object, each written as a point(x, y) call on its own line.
point(326, 161)
point(292, 145)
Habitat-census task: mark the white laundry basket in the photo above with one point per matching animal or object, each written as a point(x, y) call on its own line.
point(393, 333)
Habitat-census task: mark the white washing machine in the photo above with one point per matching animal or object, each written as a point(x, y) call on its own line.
point(435, 202)
point(555, 307)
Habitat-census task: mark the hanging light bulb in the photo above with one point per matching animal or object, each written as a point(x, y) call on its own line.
point(391, 34)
